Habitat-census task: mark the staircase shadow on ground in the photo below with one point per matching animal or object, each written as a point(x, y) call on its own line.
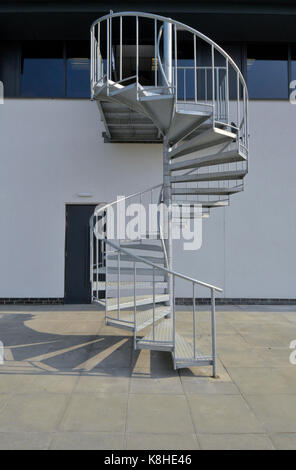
point(56, 353)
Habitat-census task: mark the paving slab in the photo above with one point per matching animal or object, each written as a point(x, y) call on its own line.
point(95, 412)
point(144, 441)
point(25, 440)
point(169, 414)
point(264, 380)
point(167, 382)
point(276, 412)
point(102, 383)
point(33, 412)
point(223, 414)
point(284, 441)
point(235, 442)
point(87, 441)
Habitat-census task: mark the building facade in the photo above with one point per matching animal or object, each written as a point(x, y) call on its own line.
point(56, 165)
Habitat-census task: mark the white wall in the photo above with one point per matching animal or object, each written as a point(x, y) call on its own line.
point(52, 149)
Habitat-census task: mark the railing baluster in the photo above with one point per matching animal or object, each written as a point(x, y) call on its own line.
point(106, 282)
point(108, 55)
point(227, 91)
point(174, 318)
point(217, 94)
point(195, 71)
point(213, 82)
point(92, 61)
point(110, 52)
point(176, 62)
point(213, 324)
point(120, 50)
point(97, 266)
point(155, 53)
point(118, 284)
point(153, 290)
point(137, 52)
point(135, 306)
point(194, 319)
point(238, 106)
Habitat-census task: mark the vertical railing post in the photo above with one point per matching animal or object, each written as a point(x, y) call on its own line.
point(168, 51)
point(218, 94)
point(91, 255)
point(176, 63)
point(120, 51)
point(118, 284)
point(137, 55)
point(213, 324)
point(167, 201)
point(97, 265)
point(135, 306)
point(194, 320)
point(153, 291)
point(213, 81)
point(108, 54)
point(92, 62)
point(238, 106)
point(195, 70)
point(155, 53)
point(174, 320)
point(99, 55)
point(110, 50)
point(106, 283)
point(227, 91)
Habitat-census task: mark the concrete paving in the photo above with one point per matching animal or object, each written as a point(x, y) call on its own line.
point(70, 382)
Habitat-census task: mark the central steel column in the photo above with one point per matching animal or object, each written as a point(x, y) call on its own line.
point(167, 192)
point(168, 52)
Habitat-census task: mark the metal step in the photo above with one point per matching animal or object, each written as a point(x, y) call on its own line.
point(123, 124)
point(205, 191)
point(216, 176)
point(185, 356)
point(128, 95)
point(113, 285)
point(128, 302)
point(207, 139)
point(214, 159)
point(141, 246)
point(217, 203)
point(140, 271)
point(184, 122)
point(144, 318)
point(161, 339)
point(160, 109)
point(100, 91)
point(153, 259)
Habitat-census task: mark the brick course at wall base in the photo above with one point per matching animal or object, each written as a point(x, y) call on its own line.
point(179, 301)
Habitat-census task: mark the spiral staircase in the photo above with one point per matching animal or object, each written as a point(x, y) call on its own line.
point(157, 80)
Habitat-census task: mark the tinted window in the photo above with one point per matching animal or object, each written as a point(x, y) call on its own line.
point(42, 69)
point(293, 63)
point(78, 69)
point(267, 71)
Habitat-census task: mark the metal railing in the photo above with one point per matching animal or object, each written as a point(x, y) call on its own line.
point(109, 255)
point(218, 82)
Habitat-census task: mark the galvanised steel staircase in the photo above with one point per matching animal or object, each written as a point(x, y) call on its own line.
point(157, 80)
